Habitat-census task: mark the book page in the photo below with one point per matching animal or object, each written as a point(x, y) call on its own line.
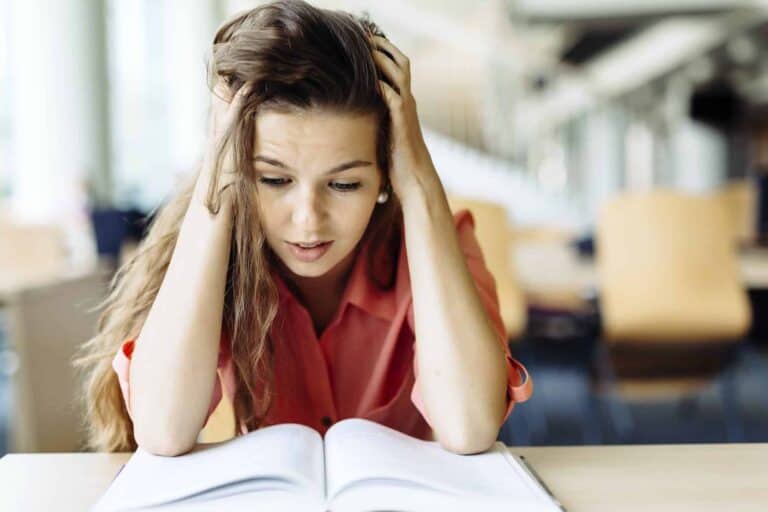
point(382, 466)
point(281, 459)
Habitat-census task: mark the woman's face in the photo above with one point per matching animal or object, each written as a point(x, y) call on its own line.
point(318, 180)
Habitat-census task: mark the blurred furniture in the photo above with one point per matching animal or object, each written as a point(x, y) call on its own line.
point(672, 303)
point(668, 270)
point(115, 228)
point(760, 177)
point(556, 271)
point(739, 199)
point(494, 235)
point(661, 478)
point(46, 325)
point(221, 424)
point(30, 253)
point(553, 276)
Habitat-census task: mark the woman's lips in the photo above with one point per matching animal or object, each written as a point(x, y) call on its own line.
point(309, 254)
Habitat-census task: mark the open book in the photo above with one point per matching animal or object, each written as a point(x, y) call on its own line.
point(361, 466)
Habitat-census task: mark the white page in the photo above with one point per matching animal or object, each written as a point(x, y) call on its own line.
point(386, 468)
point(285, 459)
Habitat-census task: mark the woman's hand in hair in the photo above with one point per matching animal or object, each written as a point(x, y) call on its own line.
point(411, 163)
point(225, 107)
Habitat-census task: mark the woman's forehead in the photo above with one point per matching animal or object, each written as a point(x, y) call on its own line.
point(316, 131)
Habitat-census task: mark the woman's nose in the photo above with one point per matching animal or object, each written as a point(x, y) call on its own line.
point(308, 211)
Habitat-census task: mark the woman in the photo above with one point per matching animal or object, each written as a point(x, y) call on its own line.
point(313, 270)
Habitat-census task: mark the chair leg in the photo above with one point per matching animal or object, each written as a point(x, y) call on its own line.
point(755, 362)
point(729, 396)
point(592, 423)
point(534, 410)
point(516, 431)
point(621, 417)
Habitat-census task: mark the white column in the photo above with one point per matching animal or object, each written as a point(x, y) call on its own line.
point(160, 98)
point(701, 154)
point(188, 31)
point(601, 162)
point(57, 119)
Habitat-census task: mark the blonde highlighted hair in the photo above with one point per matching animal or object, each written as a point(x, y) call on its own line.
point(297, 57)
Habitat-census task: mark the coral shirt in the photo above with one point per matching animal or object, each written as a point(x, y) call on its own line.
point(363, 364)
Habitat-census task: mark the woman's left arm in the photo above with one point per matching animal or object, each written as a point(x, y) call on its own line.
point(461, 364)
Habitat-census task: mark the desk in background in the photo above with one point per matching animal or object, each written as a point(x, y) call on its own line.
point(554, 276)
point(558, 269)
point(589, 478)
point(47, 316)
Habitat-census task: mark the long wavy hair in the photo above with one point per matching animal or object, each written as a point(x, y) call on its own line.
point(296, 57)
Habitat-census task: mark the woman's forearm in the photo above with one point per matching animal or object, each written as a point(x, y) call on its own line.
point(173, 367)
point(462, 372)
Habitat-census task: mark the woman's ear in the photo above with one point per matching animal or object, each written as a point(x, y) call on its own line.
point(385, 193)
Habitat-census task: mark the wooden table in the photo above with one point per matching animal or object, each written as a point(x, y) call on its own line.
point(660, 478)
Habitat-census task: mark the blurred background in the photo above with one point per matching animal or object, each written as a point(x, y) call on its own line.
point(614, 153)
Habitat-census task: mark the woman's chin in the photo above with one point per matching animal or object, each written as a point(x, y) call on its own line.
point(306, 269)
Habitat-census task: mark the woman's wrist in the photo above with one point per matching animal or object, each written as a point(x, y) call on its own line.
point(202, 190)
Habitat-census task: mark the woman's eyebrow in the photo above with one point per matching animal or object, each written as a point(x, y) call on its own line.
point(338, 168)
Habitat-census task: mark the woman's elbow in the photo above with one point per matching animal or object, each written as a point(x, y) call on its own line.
point(164, 445)
point(469, 441)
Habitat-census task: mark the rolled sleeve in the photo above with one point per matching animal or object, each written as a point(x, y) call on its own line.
point(121, 364)
point(519, 383)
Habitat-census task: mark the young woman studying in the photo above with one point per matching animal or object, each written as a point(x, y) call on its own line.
point(312, 271)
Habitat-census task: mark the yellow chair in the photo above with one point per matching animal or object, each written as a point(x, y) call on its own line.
point(672, 302)
point(221, 424)
point(739, 198)
point(668, 271)
point(495, 237)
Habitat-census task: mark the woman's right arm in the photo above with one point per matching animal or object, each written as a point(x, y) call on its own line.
point(173, 365)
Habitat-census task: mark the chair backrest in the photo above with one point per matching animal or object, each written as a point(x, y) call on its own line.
point(494, 233)
point(46, 325)
point(668, 270)
point(739, 199)
point(221, 425)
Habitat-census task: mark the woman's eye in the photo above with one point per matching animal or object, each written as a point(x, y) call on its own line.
point(279, 182)
point(345, 187)
point(273, 182)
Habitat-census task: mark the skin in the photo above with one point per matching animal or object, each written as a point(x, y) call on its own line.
point(459, 360)
point(301, 202)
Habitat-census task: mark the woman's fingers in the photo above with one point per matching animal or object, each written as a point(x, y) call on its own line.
point(234, 106)
point(225, 107)
point(221, 91)
point(389, 69)
point(391, 96)
point(225, 110)
point(395, 67)
point(398, 56)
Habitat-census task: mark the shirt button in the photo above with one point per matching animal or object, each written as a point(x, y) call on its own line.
point(326, 421)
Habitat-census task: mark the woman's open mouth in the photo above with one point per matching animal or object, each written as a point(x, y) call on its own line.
point(309, 252)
